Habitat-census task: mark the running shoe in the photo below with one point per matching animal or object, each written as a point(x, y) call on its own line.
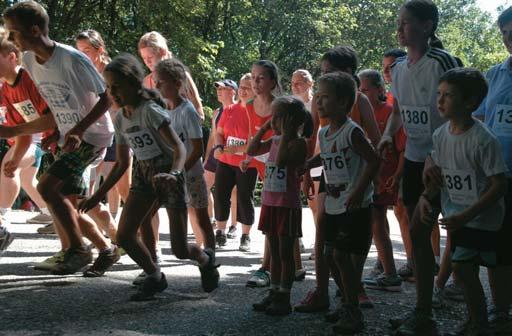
point(245, 243)
point(364, 300)
point(209, 273)
point(260, 278)
point(265, 302)
point(40, 219)
point(500, 321)
point(280, 305)
point(49, 263)
point(149, 288)
point(104, 261)
point(47, 229)
point(334, 316)
point(231, 232)
point(139, 279)
point(438, 295)
point(220, 238)
point(406, 272)
point(372, 276)
point(313, 302)
point(418, 323)
point(390, 283)
point(6, 239)
point(300, 274)
point(75, 259)
point(454, 292)
point(351, 320)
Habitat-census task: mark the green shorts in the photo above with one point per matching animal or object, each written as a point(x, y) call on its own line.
point(70, 166)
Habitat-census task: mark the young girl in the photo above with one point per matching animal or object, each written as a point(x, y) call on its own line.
point(280, 218)
point(349, 164)
point(170, 74)
point(158, 179)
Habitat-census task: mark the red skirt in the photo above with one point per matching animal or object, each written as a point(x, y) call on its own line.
point(281, 221)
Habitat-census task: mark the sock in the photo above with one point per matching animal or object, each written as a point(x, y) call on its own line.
point(4, 211)
point(438, 259)
point(45, 211)
point(157, 275)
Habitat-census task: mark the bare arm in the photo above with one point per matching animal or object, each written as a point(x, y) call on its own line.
point(197, 151)
point(258, 147)
point(193, 95)
point(394, 122)
point(180, 153)
point(368, 120)
point(97, 111)
point(41, 124)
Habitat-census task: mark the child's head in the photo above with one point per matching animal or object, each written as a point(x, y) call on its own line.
point(289, 109)
point(93, 46)
point(340, 58)
point(265, 78)
point(302, 82)
point(336, 95)
point(153, 48)
point(245, 92)
point(124, 76)
point(9, 54)
point(372, 85)
point(505, 24)
point(226, 91)
point(169, 75)
point(417, 24)
point(388, 59)
point(461, 91)
point(26, 21)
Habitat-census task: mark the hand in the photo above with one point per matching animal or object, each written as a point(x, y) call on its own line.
point(86, 204)
point(72, 140)
point(218, 152)
point(287, 126)
point(354, 200)
point(48, 142)
point(425, 211)
point(453, 223)
point(385, 142)
point(393, 183)
point(10, 167)
point(308, 187)
point(164, 183)
point(6, 132)
point(231, 149)
point(433, 177)
point(244, 165)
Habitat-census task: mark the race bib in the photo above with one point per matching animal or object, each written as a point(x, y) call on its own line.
point(262, 158)
point(3, 110)
point(503, 121)
point(234, 141)
point(461, 185)
point(275, 178)
point(66, 120)
point(416, 121)
point(143, 145)
point(335, 168)
point(27, 110)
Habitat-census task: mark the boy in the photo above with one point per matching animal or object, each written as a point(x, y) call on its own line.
point(350, 164)
point(76, 96)
point(467, 166)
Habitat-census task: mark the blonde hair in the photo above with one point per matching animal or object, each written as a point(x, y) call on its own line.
point(155, 41)
point(247, 76)
point(6, 46)
point(306, 75)
point(96, 41)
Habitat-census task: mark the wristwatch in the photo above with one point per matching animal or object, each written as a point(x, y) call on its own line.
point(176, 173)
point(217, 147)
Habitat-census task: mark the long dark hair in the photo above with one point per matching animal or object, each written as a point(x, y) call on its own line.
point(273, 72)
point(128, 66)
point(426, 10)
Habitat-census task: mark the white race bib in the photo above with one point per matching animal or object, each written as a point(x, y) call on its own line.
point(416, 121)
point(3, 111)
point(275, 178)
point(143, 145)
point(262, 158)
point(503, 121)
point(234, 141)
point(335, 168)
point(27, 110)
point(66, 120)
point(461, 185)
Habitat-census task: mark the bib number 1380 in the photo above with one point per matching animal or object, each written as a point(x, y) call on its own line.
point(416, 121)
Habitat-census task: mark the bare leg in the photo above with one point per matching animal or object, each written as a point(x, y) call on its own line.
point(180, 247)
point(468, 275)
point(381, 238)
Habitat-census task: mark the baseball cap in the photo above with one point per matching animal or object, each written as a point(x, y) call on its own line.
point(227, 83)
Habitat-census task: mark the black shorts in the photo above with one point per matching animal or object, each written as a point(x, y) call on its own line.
point(503, 249)
point(349, 232)
point(412, 184)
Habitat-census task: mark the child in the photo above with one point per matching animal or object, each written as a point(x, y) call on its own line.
point(170, 74)
point(158, 178)
point(467, 165)
point(75, 93)
point(280, 218)
point(349, 163)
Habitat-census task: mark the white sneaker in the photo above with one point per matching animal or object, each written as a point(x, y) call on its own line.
point(40, 219)
point(6, 239)
point(437, 298)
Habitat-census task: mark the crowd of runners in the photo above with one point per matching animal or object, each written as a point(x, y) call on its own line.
point(436, 147)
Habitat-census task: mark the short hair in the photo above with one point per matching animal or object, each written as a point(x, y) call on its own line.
point(343, 84)
point(29, 14)
point(342, 57)
point(7, 46)
point(470, 82)
point(395, 53)
point(505, 17)
point(373, 76)
point(155, 41)
point(246, 76)
point(173, 69)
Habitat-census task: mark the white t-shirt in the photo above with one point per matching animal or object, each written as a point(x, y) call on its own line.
point(466, 161)
point(185, 121)
point(342, 167)
point(415, 88)
point(70, 84)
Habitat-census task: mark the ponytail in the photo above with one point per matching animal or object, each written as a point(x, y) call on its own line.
point(435, 42)
point(150, 94)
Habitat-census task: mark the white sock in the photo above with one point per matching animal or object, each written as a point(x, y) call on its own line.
point(4, 211)
point(157, 275)
point(45, 211)
point(438, 259)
